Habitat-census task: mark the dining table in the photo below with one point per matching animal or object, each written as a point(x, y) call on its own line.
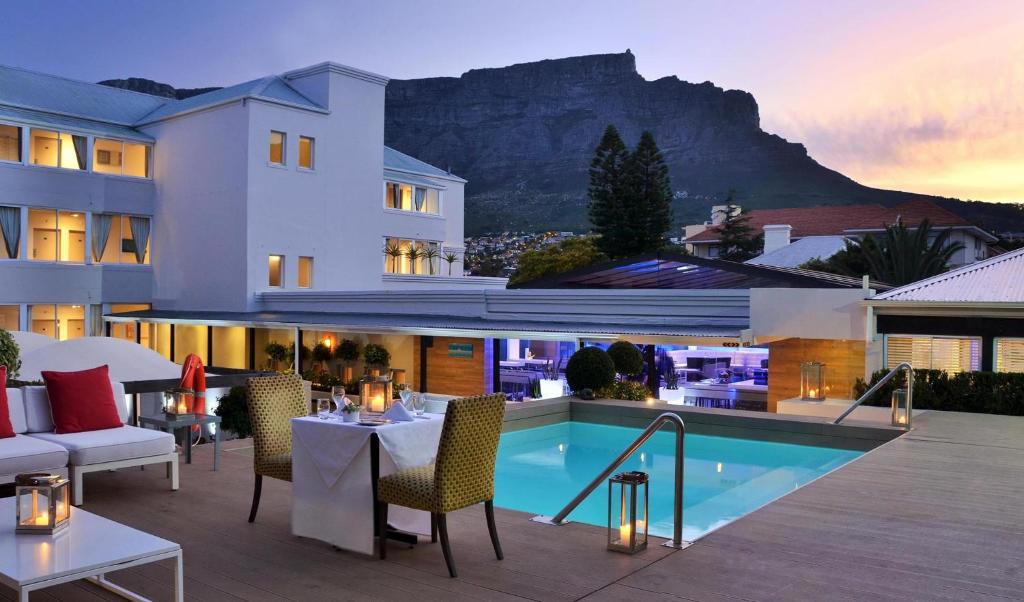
point(335, 467)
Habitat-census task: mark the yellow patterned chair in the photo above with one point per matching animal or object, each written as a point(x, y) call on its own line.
point(462, 475)
point(273, 402)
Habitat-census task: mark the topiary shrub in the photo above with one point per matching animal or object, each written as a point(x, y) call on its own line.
point(627, 358)
point(347, 351)
point(627, 389)
point(376, 356)
point(590, 368)
point(234, 412)
point(10, 354)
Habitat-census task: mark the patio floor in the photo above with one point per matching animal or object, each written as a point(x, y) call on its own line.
point(937, 514)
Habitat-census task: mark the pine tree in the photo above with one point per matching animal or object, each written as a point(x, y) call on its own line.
point(737, 241)
point(649, 209)
point(607, 192)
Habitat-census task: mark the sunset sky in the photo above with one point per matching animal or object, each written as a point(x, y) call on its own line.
point(912, 95)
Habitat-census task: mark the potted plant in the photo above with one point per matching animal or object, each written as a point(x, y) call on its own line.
point(414, 254)
point(627, 359)
point(350, 412)
point(233, 410)
point(9, 354)
point(551, 384)
point(376, 357)
point(393, 251)
point(450, 257)
point(347, 352)
point(321, 355)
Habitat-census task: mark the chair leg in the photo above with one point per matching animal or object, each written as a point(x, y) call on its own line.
point(446, 549)
point(382, 529)
point(256, 491)
point(433, 528)
point(493, 529)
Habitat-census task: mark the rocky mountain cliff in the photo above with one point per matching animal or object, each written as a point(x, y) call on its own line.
point(148, 86)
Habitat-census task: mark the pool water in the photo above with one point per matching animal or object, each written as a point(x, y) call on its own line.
point(541, 469)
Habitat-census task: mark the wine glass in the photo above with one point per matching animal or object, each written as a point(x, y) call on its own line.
point(338, 394)
point(419, 403)
point(323, 408)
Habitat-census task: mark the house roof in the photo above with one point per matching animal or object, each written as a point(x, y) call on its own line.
point(834, 220)
point(272, 88)
point(399, 161)
point(88, 126)
point(801, 251)
point(999, 279)
point(677, 271)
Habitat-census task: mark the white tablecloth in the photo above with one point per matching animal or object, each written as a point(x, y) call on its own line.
point(332, 492)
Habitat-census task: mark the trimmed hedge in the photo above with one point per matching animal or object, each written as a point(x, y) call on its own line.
point(627, 358)
point(626, 389)
point(976, 392)
point(590, 368)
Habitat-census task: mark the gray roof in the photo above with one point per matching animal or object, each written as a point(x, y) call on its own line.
point(400, 161)
point(801, 251)
point(999, 279)
point(52, 120)
point(271, 88)
point(414, 323)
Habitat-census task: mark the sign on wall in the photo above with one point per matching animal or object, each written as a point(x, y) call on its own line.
point(460, 350)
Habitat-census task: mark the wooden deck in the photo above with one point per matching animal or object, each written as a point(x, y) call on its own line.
point(937, 514)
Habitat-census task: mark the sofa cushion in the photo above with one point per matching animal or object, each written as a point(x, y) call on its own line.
point(22, 453)
point(82, 400)
point(111, 445)
point(37, 409)
point(6, 430)
point(16, 410)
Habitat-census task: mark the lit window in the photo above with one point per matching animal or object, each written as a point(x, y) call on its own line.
point(71, 244)
point(120, 158)
point(402, 256)
point(10, 232)
point(120, 238)
point(10, 143)
point(952, 354)
point(58, 149)
point(276, 270)
point(305, 272)
point(411, 198)
point(1009, 355)
point(58, 321)
point(134, 239)
point(44, 236)
point(277, 148)
point(10, 317)
point(306, 152)
point(136, 159)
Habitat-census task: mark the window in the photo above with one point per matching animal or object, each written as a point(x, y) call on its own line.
point(402, 256)
point(57, 149)
point(43, 235)
point(10, 232)
point(276, 267)
point(10, 143)
point(129, 330)
point(406, 197)
point(1009, 355)
point(952, 354)
point(306, 146)
point(713, 251)
point(305, 272)
point(277, 147)
point(10, 317)
point(60, 322)
point(120, 238)
point(120, 158)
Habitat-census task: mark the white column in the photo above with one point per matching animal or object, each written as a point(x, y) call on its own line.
point(25, 133)
point(88, 237)
point(23, 252)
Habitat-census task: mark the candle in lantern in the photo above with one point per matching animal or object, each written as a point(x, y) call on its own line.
point(182, 408)
point(43, 518)
point(624, 531)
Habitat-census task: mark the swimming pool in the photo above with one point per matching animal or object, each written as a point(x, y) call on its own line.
point(540, 469)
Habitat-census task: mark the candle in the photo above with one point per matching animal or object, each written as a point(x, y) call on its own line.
point(182, 408)
point(624, 531)
point(43, 519)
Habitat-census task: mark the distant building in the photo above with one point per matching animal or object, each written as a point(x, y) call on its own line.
point(782, 227)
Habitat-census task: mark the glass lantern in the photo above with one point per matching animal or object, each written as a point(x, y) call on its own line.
point(627, 512)
point(812, 381)
point(43, 503)
point(178, 401)
point(375, 393)
point(900, 411)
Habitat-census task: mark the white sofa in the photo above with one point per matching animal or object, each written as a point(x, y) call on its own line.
point(93, 451)
point(22, 453)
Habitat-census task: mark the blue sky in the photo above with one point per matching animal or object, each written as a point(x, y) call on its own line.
point(924, 96)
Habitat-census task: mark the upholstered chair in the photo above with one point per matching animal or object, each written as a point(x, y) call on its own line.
point(461, 476)
point(273, 402)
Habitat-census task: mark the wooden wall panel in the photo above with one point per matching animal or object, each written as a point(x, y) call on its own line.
point(454, 375)
point(843, 359)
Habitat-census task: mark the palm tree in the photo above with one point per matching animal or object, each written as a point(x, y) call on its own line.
point(903, 255)
point(413, 253)
point(430, 253)
point(451, 257)
point(394, 252)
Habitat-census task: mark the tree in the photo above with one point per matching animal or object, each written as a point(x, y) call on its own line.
point(850, 261)
point(737, 239)
point(627, 358)
point(649, 198)
point(607, 192)
point(903, 255)
point(570, 254)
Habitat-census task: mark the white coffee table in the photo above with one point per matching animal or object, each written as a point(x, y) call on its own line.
point(90, 547)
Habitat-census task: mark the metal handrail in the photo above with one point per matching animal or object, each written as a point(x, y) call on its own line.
point(910, 393)
point(677, 509)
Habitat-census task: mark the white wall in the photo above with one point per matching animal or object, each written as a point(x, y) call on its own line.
point(779, 313)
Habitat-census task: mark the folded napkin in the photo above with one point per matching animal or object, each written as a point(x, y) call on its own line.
point(398, 413)
point(406, 397)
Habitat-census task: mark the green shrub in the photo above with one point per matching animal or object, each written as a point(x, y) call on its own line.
point(322, 353)
point(233, 410)
point(376, 356)
point(277, 353)
point(347, 351)
point(10, 354)
point(590, 368)
point(626, 389)
point(627, 358)
point(976, 392)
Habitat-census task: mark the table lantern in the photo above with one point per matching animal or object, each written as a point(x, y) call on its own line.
point(178, 401)
point(43, 503)
point(812, 381)
point(375, 393)
point(627, 512)
point(900, 411)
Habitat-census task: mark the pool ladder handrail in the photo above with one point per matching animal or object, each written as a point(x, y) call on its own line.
point(904, 366)
point(677, 508)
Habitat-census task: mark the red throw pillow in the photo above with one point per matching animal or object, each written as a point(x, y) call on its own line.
point(81, 401)
point(6, 430)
